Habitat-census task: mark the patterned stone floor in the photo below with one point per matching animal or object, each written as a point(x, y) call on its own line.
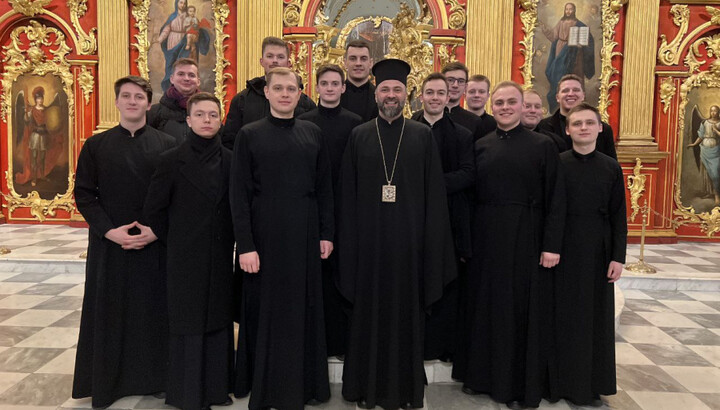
point(668, 342)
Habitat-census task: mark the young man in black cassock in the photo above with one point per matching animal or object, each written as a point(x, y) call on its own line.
point(359, 95)
point(570, 93)
point(282, 206)
point(593, 254)
point(123, 344)
point(455, 144)
point(532, 113)
point(336, 123)
point(188, 207)
point(477, 93)
point(517, 231)
point(170, 114)
point(251, 104)
point(395, 247)
point(457, 77)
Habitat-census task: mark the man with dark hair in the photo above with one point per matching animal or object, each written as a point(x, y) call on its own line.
point(455, 144)
point(251, 104)
point(532, 114)
point(282, 206)
point(457, 75)
point(593, 254)
point(570, 93)
point(336, 123)
point(189, 210)
point(122, 348)
point(517, 231)
point(359, 96)
point(476, 96)
point(169, 115)
point(395, 247)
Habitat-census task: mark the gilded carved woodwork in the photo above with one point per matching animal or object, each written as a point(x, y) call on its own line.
point(340, 12)
point(668, 52)
point(87, 83)
point(31, 59)
point(407, 43)
point(709, 221)
point(457, 17)
point(29, 7)
point(299, 59)
point(447, 54)
point(322, 53)
point(636, 186)
point(529, 19)
point(140, 12)
point(291, 13)
point(88, 41)
point(667, 92)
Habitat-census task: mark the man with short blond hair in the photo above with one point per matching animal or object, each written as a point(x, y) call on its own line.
point(359, 96)
point(476, 96)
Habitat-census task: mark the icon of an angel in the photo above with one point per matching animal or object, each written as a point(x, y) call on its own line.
point(706, 148)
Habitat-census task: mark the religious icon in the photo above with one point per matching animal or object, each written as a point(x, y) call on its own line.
point(568, 33)
point(701, 177)
point(186, 33)
point(40, 131)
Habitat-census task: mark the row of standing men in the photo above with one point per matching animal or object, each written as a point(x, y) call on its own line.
point(438, 242)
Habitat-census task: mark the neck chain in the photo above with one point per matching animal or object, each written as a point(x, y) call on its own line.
point(389, 193)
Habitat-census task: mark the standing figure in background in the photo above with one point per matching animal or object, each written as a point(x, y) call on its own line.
point(708, 139)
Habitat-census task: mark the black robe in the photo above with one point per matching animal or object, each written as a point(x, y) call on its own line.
point(559, 142)
point(336, 124)
point(189, 210)
point(250, 105)
point(488, 124)
point(170, 118)
point(556, 124)
point(455, 144)
point(122, 347)
point(519, 214)
point(478, 126)
point(595, 234)
point(395, 259)
point(360, 100)
point(282, 206)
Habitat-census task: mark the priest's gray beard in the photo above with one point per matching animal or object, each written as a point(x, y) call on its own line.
point(391, 112)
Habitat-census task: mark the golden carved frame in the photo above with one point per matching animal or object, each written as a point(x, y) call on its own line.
point(221, 11)
point(610, 19)
point(709, 221)
point(20, 60)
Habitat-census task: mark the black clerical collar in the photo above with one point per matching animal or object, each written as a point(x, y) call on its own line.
point(201, 142)
point(329, 112)
point(139, 131)
point(352, 87)
point(502, 134)
point(584, 157)
point(281, 122)
point(398, 122)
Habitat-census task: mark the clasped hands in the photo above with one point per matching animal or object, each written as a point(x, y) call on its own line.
point(250, 261)
point(121, 236)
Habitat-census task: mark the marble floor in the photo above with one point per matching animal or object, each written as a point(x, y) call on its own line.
point(668, 342)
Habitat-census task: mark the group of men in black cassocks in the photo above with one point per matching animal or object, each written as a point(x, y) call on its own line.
point(345, 229)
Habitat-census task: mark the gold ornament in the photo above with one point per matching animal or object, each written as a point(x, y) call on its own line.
point(88, 41)
point(668, 52)
point(667, 91)
point(298, 61)
point(221, 11)
point(87, 83)
point(29, 7)
point(291, 13)
point(529, 18)
point(610, 19)
point(140, 12)
point(636, 185)
point(457, 15)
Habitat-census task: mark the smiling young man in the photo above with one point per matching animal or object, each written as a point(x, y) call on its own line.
point(336, 123)
point(516, 184)
point(532, 114)
point(282, 207)
point(571, 92)
point(396, 252)
point(123, 278)
point(593, 255)
point(170, 113)
point(456, 74)
point(455, 144)
point(251, 104)
point(359, 96)
point(476, 96)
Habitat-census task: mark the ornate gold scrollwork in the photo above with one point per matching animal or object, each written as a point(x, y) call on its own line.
point(610, 19)
point(221, 10)
point(36, 63)
point(322, 52)
point(291, 13)
point(668, 52)
point(446, 54)
point(88, 41)
point(636, 186)
point(457, 17)
point(406, 43)
point(298, 61)
point(340, 12)
point(709, 221)
point(667, 92)
point(529, 18)
point(140, 13)
point(29, 7)
point(87, 83)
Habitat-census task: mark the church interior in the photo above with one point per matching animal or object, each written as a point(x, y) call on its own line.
point(653, 73)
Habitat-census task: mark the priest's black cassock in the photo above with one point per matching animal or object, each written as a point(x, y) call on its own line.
point(282, 206)
point(487, 124)
point(360, 100)
point(123, 344)
point(557, 122)
point(595, 234)
point(188, 208)
point(478, 126)
point(336, 124)
point(519, 214)
point(395, 259)
point(455, 144)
